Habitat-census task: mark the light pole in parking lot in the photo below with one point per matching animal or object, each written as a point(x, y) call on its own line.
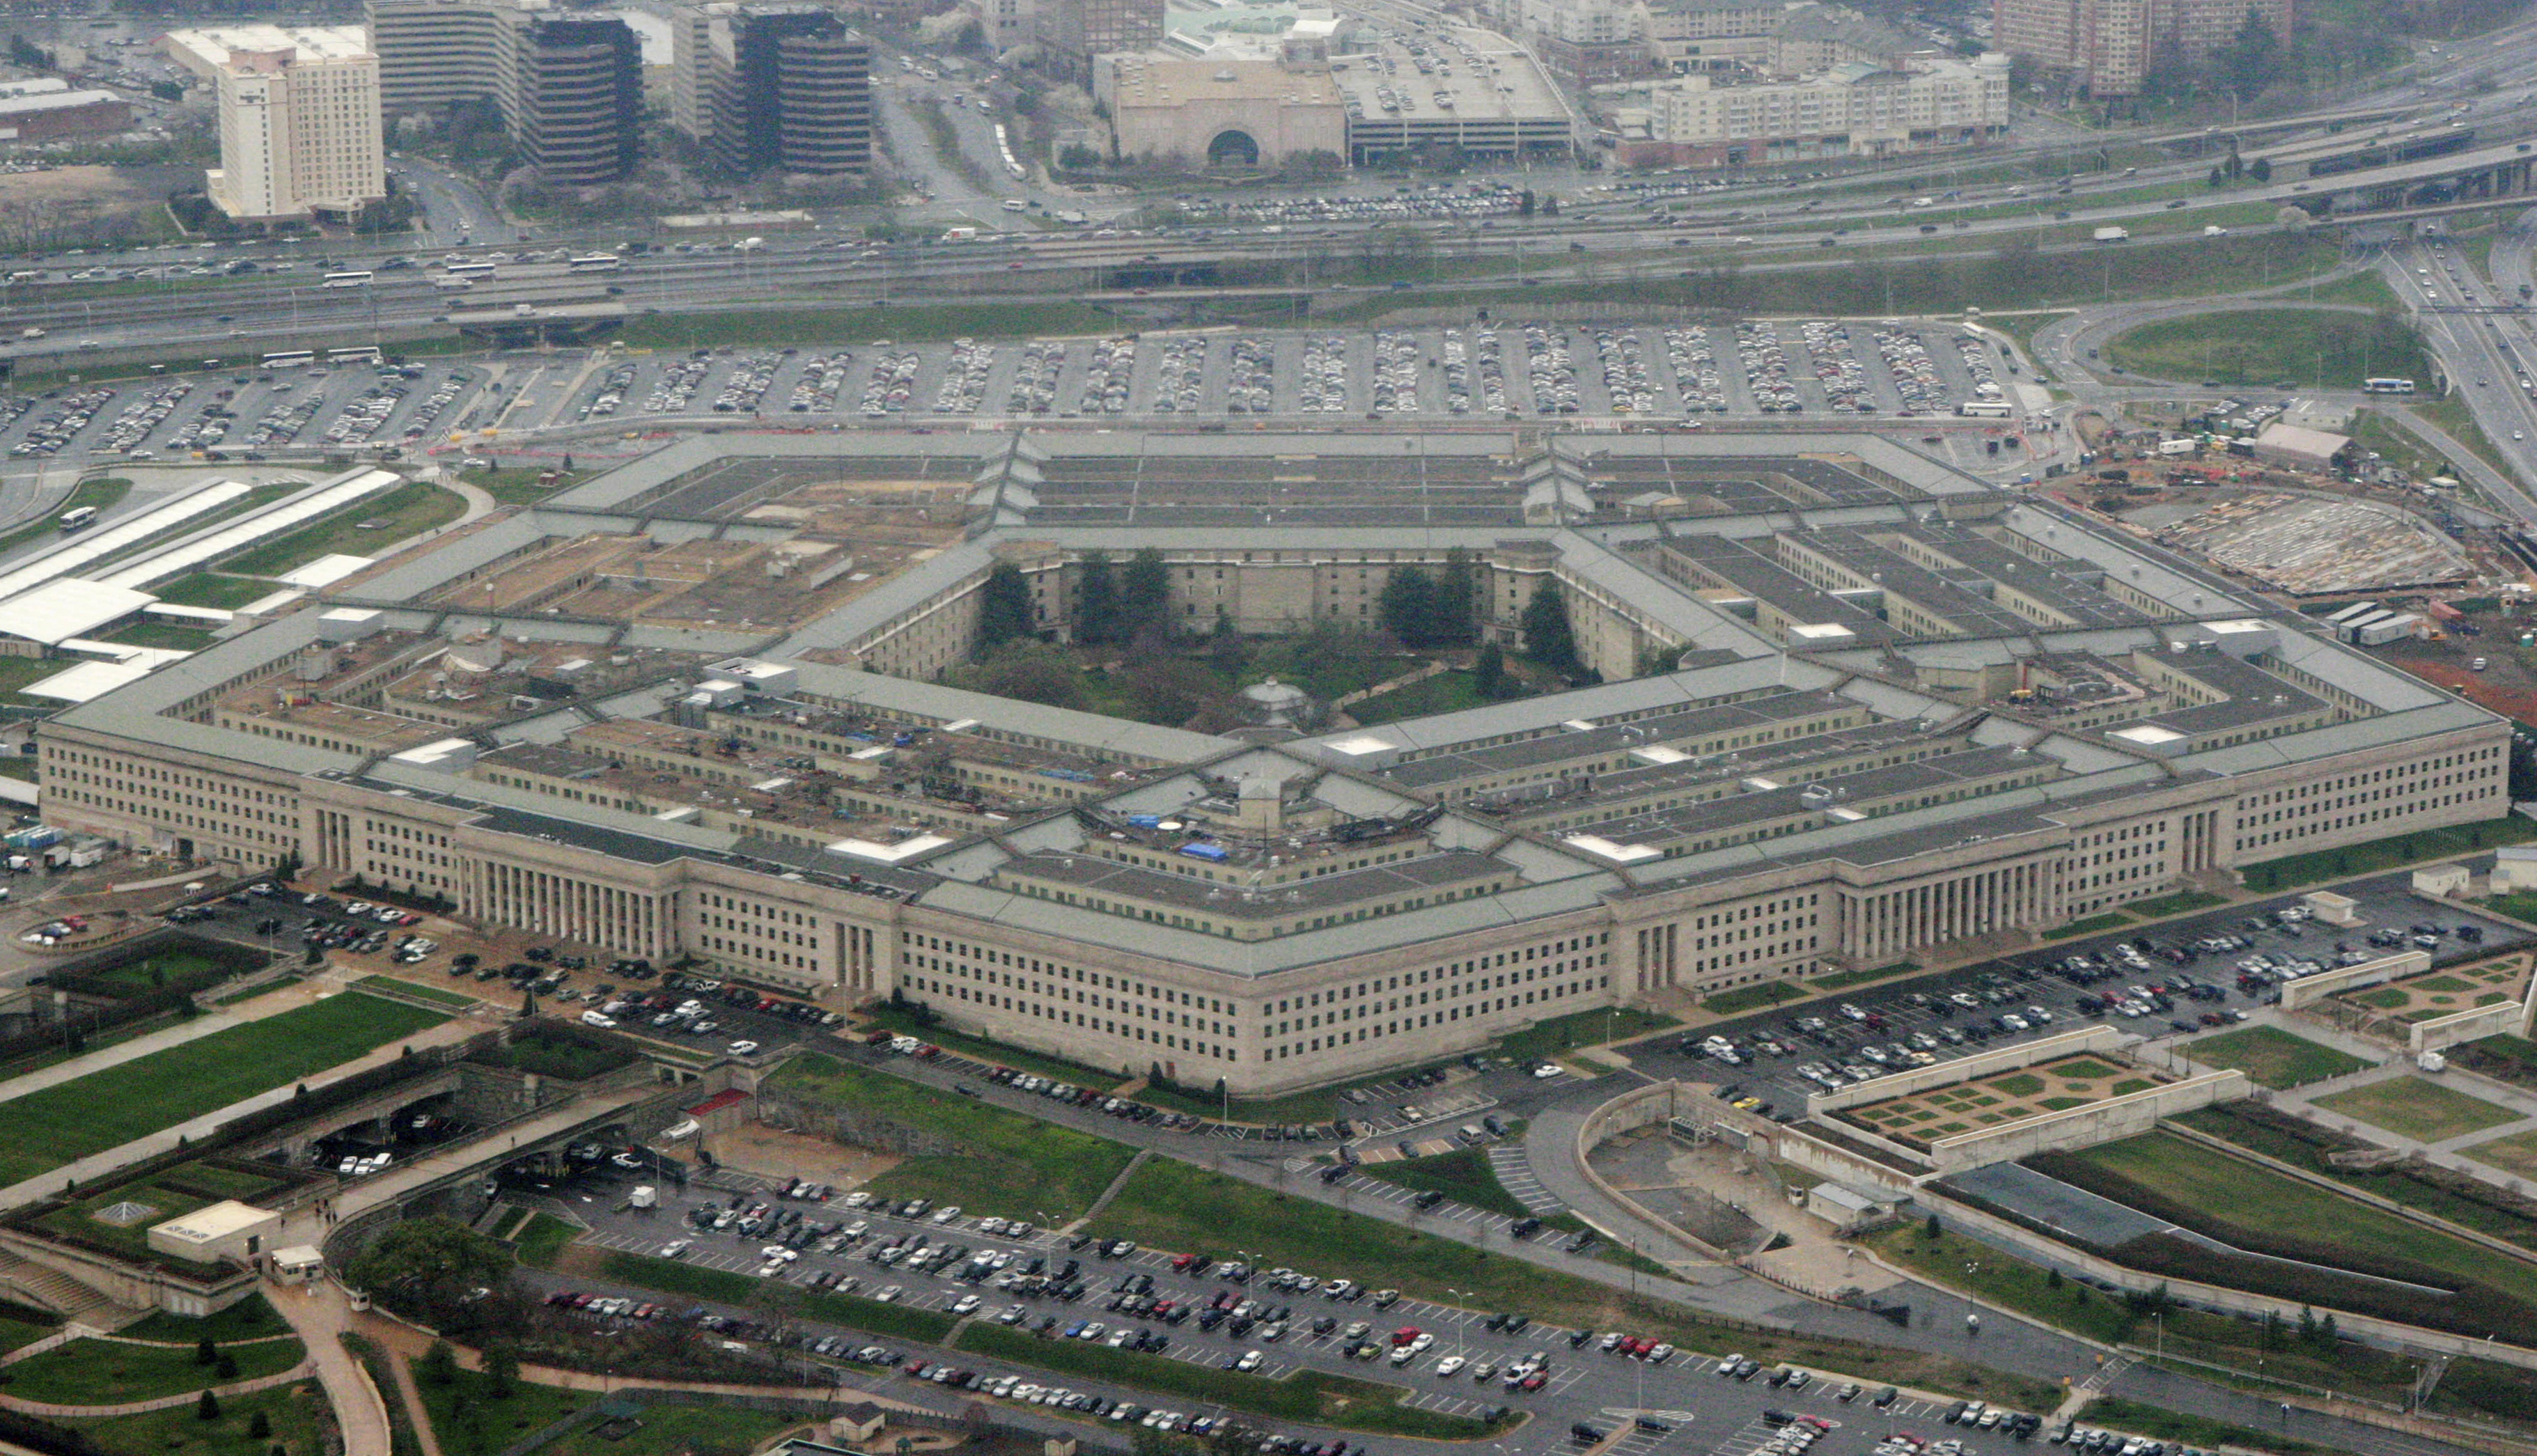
point(1461, 1327)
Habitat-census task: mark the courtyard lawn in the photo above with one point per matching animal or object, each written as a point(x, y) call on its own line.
point(1547, 1038)
point(107, 1108)
point(297, 1414)
point(250, 1318)
point(2293, 870)
point(542, 1239)
point(2418, 1107)
point(2273, 1057)
point(677, 1431)
point(408, 510)
point(1446, 692)
point(467, 1420)
point(2516, 1154)
point(104, 1372)
point(1753, 997)
point(1007, 1163)
point(397, 985)
point(210, 589)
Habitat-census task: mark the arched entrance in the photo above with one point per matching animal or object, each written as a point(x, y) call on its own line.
point(1233, 149)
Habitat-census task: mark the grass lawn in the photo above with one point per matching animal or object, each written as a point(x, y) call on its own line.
point(2388, 854)
point(1171, 1205)
point(170, 1192)
point(107, 1108)
point(995, 1053)
point(173, 636)
point(2273, 1057)
point(2516, 1154)
point(104, 494)
point(2451, 413)
point(2418, 1107)
point(519, 486)
point(16, 673)
point(918, 322)
point(210, 589)
point(17, 1333)
point(295, 1412)
point(2203, 1178)
point(398, 983)
point(2134, 1418)
point(1849, 979)
point(1446, 692)
point(1753, 997)
point(409, 510)
point(150, 973)
point(2173, 905)
point(676, 1430)
point(250, 1318)
point(2109, 921)
point(1547, 1038)
point(1008, 1163)
point(1319, 1105)
point(1464, 1175)
point(2260, 345)
point(874, 1316)
point(101, 1372)
point(542, 1239)
point(2375, 430)
point(469, 1422)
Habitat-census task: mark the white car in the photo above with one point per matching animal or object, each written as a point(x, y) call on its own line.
point(742, 1049)
point(887, 1295)
point(1450, 1365)
point(1546, 1071)
point(673, 1248)
point(946, 1215)
point(968, 1304)
point(1250, 1360)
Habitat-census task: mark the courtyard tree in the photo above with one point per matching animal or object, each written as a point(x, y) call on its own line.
point(1003, 607)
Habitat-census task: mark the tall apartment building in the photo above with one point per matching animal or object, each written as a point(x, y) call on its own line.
point(1074, 32)
point(569, 87)
point(573, 96)
point(2109, 45)
point(777, 87)
point(298, 119)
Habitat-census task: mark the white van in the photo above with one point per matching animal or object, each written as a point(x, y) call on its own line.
point(604, 1022)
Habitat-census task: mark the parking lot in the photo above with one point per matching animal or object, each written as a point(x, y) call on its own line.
point(1455, 1360)
point(1929, 1020)
point(248, 414)
point(1514, 369)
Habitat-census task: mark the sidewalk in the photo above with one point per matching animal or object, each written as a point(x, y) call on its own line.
point(321, 1313)
point(271, 1003)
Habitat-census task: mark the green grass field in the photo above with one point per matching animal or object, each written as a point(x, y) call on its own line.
point(250, 1318)
point(1753, 997)
point(2272, 1056)
point(2200, 1177)
point(2316, 348)
point(211, 589)
point(1446, 692)
point(107, 1108)
point(103, 1373)
point(2134, 1418)
point(1009, 1164)
point(542, 1239)
point(467, 1422)
point(18, 1333)
point(298, 1413)
point(409, 510)
point(1844, 980)
point(440, 995)
point(2418, 1107)
point(2173, 905)
point(2293, 870)
point(1174, 1206)
point(679, 1431)
point(1464, 1175)
point(2093, 925)
point(1547, 1038)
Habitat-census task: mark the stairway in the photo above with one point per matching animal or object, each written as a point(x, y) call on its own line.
point(49, 1288)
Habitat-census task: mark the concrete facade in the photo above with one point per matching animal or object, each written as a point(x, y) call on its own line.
point(299, 118)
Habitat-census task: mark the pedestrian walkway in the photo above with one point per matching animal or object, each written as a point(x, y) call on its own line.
point(411, 1395)
point(321, 1312)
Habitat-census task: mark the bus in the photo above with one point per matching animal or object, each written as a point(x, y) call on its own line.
point(1984, 409)
point(468, 270)
point(2386, 386)
point(357, 278)
point(453, 285)
point(78, 519)
point(595, 263)
point(360, 354)
point(289, 358)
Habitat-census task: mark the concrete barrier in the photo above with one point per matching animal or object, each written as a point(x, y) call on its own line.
point(2128, 1116)
point(1633, 1110)
point(2083, 1040)
point(2309, 990)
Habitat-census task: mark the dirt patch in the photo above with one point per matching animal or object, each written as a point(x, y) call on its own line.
point(95, 191)
point(773, 1153)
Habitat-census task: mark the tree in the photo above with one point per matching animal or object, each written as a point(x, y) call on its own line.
point(1166, 689)
point(502, 1371)
point(1224, 645)
point(1523, 202)
point(2250, 61)
point(226, 1368)
point(259, 1427)
point(1929, 1229)
point(204, 1352)
point(1003, 607)
point(438, 1365)
point(1458, 600)
point(206, 1406)
point(1096, 608)
point(2327, 1334)
point(2215, 180)
point(1145, 594)
point(421, 1255)
point(2051, 1279)
point(2523, 767)
point(1488, 672)
point(2260, 169)
point(1026, 668)
point(1407, 607)
point(1547, 637)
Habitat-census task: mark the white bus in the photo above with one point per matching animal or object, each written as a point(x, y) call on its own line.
point(78, 519)
point(595, 263)
point(289, 358)
point(2387, 386)
point(358, 279)
point(1984, 409)
point(468, 270)
point(360, 354)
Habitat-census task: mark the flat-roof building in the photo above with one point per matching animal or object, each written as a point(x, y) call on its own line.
point(298, 119)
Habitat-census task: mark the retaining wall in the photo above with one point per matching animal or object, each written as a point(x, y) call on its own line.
point(2095, 1038)
point(2115, 1117)
point(2309, 990)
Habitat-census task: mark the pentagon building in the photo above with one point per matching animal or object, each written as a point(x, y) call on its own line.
point(1855, 708)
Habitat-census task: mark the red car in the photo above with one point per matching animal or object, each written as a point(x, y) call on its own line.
point(1404, 1334)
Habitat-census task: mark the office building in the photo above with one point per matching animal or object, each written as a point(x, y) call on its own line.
point(784, 87)
point(1072, 31)
point(573, 96)
point(298, 119)
point(1928, 714)
point(568, 85)
point(44, 107)
point(2107, 47)
point(1855, 109)
point(1238, 113)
